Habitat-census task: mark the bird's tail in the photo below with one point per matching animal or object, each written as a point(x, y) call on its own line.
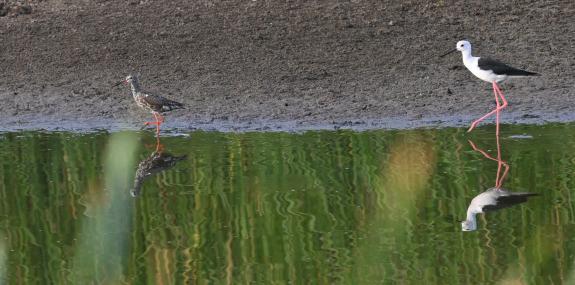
point(524, 194)
point(172, 105)
point(519, 72)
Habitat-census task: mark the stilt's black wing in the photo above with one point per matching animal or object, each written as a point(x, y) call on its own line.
point(505, 201)
point(501, 68)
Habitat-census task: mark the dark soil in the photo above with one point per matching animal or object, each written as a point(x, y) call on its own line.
point(281, 64)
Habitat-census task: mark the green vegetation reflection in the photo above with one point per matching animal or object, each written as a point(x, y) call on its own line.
point(311, 208)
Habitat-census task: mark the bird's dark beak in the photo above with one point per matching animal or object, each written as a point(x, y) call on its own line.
point(451, 51)
point(118, 83)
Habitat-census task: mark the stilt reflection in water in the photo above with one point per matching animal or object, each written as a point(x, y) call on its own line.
point(156, 162)
point(494, 198)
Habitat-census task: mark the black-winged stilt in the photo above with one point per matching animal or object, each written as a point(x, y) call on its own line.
point(491, 200)
point(494, 198)
point(491, 71)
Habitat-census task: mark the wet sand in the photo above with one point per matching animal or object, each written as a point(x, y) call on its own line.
point(256, 65)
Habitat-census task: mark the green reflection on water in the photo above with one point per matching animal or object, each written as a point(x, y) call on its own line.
point(311, 208)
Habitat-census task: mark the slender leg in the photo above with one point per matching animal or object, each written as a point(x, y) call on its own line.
point(159, 146)
point(474, 124)
point(497, 118)
point(497, 92)
point(500, 163)
point(505, 172)
point(500, 107)
point(152, 123)
point(500, 95)
point(159, 120)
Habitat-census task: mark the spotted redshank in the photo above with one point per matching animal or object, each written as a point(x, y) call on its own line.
point(491, 71)
point(154, 103)
point(157, 162)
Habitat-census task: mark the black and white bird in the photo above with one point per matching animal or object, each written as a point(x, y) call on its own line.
point(489, 70)
point(491, 200)
point(155, 104)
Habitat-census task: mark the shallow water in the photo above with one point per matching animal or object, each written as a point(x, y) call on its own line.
point(309, 208)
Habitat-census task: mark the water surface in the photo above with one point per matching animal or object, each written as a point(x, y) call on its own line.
point(321, 207)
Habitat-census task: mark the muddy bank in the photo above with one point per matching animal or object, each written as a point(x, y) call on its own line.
point(256, 65)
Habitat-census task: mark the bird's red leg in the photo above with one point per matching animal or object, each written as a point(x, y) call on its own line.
point(158, 122)
point(159, 146)
point(152, 123)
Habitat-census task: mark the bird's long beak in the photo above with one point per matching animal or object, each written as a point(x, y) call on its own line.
point(118, 83)
point(451, 51)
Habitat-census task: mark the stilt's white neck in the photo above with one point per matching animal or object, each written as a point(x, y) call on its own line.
point(470, 223)
point(466, 55)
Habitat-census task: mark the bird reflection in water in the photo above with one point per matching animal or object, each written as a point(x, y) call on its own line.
point(494, 198)
point(156, 162)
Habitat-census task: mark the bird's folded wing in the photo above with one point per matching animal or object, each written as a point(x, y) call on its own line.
point(501, 68)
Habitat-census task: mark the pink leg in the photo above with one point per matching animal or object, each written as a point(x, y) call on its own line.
point(497, 92)
point(500, 163)
point(497, 121)
point(500, 95)
point(499, 106)
point(474, 124)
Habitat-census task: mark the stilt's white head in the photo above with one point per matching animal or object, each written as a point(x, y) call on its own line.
point(463, 46)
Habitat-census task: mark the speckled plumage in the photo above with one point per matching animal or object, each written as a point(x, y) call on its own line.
point(151, 102)
point(157, 162)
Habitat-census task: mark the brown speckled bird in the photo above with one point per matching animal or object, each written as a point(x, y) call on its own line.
point(157, 162)
point(154, 103)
